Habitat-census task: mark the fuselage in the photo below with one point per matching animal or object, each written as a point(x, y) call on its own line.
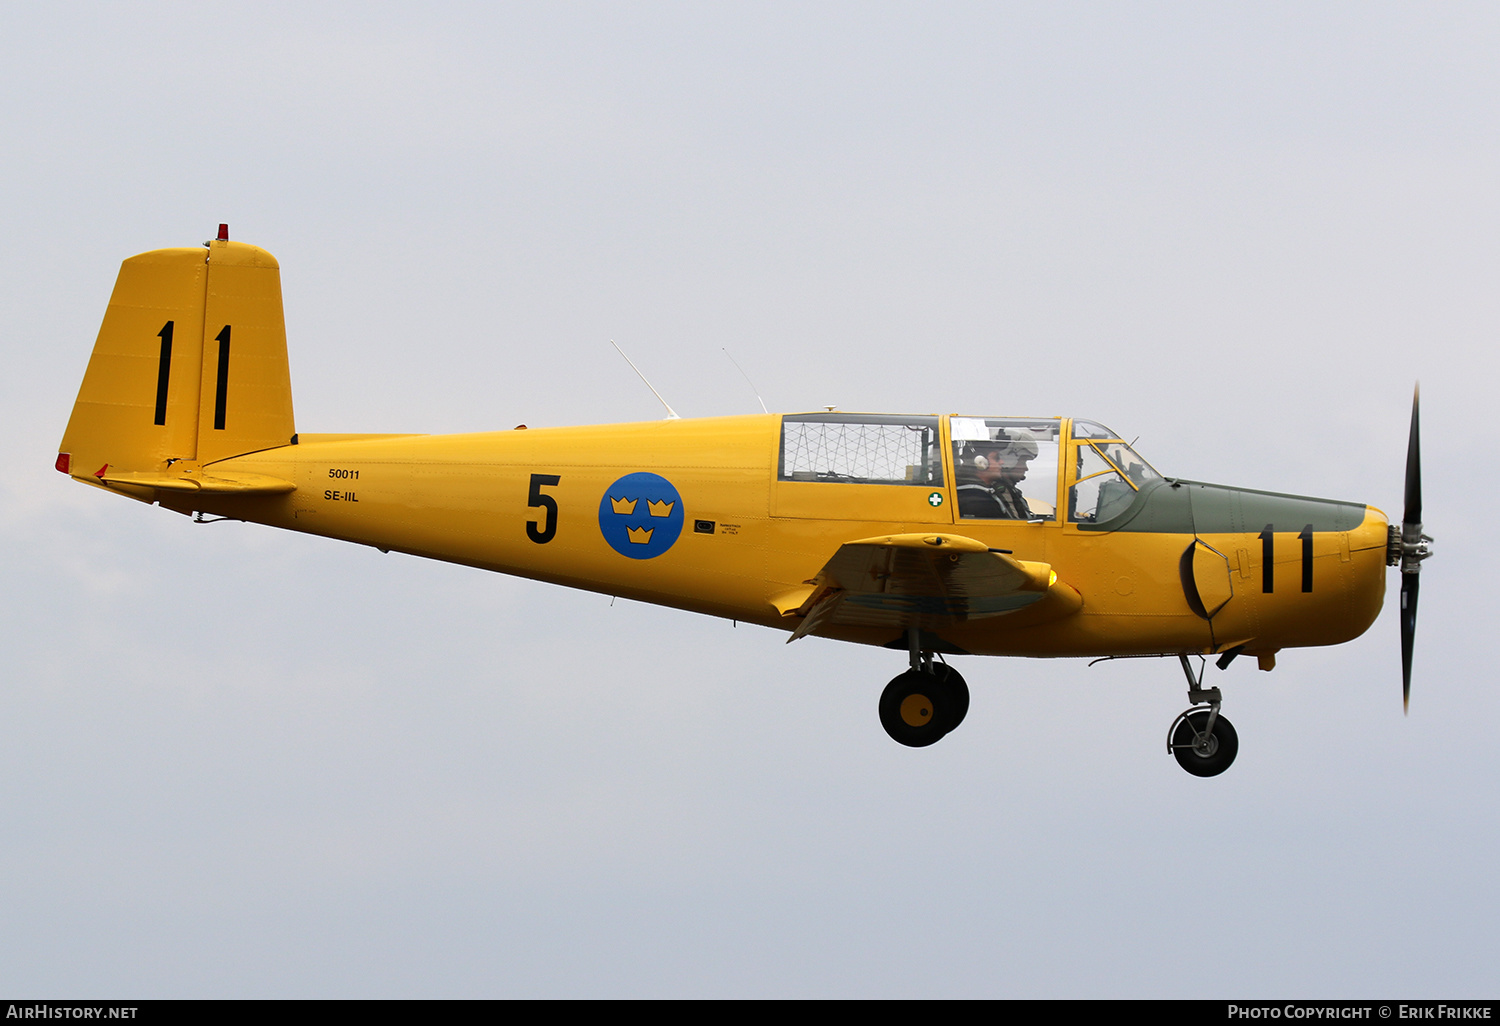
point(715, 516)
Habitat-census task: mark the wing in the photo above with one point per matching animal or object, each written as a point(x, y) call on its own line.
point(929, 581)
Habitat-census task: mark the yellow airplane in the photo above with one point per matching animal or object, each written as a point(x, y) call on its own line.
point(936, 535)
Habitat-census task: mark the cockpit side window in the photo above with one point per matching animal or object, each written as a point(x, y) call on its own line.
point(1005, 468)
point(857, 448)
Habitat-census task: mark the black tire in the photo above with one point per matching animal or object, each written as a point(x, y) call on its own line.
point(1215, 755)
point(954, 681)
point(917, 709)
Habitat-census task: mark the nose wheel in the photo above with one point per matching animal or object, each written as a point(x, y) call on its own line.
point(1203, 742)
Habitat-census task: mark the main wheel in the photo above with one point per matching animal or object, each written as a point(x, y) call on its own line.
point(918, 708)
point(955, 683)
point(1204, 755)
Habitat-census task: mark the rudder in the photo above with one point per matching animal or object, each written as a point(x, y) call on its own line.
point(246, 394)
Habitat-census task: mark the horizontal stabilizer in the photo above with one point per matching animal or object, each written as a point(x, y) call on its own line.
point(219, 483)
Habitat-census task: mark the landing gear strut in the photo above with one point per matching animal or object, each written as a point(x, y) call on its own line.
point(927, 701)
point(1203, 742)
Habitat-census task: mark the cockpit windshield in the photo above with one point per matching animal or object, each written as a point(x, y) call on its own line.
point(1107, 473)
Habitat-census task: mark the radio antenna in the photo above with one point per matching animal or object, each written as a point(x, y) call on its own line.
point(747, 380)
point(671, 413)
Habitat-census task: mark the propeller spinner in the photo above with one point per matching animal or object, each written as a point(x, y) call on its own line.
point(1409, 548)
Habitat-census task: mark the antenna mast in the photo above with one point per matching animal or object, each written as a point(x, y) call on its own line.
point(671, 413)
point(747, 381)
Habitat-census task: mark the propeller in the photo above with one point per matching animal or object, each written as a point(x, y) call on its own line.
point(1413, 549)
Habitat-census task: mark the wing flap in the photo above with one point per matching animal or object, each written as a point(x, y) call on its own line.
point(927, 581)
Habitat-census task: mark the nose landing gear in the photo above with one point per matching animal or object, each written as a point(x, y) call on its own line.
point(1203, 742)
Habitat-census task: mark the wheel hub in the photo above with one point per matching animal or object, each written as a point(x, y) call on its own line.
point(916, 710)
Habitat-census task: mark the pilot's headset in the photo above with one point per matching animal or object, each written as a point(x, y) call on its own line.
point(974, 452)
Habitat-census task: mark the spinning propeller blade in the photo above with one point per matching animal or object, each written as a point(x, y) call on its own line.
point(1408, 634)
point(1413, 550)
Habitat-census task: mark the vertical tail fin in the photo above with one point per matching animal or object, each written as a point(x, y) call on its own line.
point(190, 365)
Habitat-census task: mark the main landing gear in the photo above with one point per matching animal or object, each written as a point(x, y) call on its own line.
point(1203, 742)
point(927, 701)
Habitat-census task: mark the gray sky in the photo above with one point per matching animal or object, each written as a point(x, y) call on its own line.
point(243, 763)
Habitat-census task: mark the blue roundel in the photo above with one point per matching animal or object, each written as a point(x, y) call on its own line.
point(640, 515)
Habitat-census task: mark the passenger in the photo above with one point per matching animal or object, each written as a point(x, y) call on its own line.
point(990, 474)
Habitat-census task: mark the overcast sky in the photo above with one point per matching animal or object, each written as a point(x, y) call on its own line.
point(243, 763)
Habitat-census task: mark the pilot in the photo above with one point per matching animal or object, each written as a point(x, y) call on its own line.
point(990, 474)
